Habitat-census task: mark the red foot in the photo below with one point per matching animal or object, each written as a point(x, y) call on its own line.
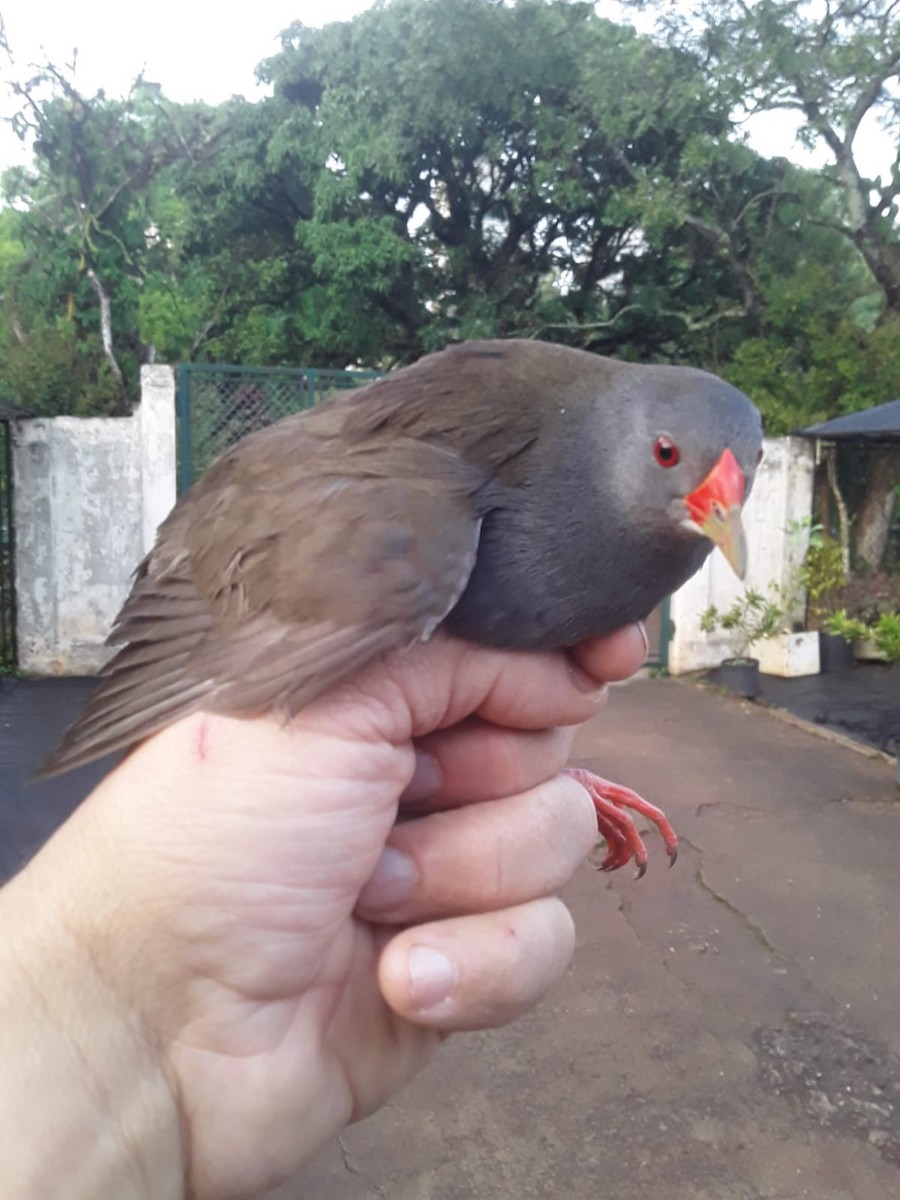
point(623, 842)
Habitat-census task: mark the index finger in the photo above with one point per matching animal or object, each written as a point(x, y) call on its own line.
point(436, 685)
point(565, 692)
point(616, 657)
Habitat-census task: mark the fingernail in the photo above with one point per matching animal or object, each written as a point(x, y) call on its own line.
point(391, 883)
point(587, 683)
point(432, 976)
point(426, 780)
point(642, 630)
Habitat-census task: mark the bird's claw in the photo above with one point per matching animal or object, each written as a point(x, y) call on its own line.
point(616, 825)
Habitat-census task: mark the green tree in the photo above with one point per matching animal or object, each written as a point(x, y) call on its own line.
point(496, 170)
point(238, 285)
point(432, 170)
point(84, 213)
point(836, 66)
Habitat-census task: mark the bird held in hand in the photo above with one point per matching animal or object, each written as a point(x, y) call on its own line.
point(516, 493)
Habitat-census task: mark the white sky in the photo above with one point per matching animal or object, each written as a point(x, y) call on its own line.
point(198, 51)
point(195, 51)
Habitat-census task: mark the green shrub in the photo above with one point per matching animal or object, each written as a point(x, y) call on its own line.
point(839, 624)
point(886, 635)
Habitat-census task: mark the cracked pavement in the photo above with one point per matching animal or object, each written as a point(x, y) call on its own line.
point(729, 1030)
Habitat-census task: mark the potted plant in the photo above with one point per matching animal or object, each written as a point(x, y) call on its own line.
point(887, 635)
point(767, 636)
point(752, 617)
point(880, 639)
point(791, 648)
point(788, 652)
point(821, 574)
point(837, 638)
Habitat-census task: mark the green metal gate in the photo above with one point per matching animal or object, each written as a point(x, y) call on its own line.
point(218, 405)
point(659, 634)
point(8, 656)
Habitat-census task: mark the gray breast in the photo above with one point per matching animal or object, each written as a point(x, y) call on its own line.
point(548, 574)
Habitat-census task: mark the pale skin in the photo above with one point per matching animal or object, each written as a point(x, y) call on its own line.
point(233, 949)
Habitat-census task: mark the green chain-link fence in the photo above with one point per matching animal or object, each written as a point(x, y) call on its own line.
point(218, 405)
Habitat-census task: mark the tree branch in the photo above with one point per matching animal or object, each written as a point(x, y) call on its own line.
point(691, 324)
point(868, 96)
point(843, 515)
point(106, 328)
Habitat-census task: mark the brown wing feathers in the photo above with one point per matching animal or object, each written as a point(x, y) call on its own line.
point(145, 686)
point(275, 580)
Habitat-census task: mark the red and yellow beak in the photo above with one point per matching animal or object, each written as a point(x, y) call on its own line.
point(714, 509)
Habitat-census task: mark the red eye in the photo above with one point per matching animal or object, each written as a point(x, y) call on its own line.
point(666, 452)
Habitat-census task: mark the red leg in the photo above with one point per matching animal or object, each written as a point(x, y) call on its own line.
point(623, 842)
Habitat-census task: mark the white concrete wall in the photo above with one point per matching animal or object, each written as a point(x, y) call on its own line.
point(89, 495)
point(782, 493)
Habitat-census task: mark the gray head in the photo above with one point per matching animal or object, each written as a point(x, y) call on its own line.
point(685, 446)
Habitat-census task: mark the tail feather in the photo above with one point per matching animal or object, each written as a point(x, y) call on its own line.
point(128, 675)
point(262, 667)
point(170, 667)
point(92, 737)
point(148, 684)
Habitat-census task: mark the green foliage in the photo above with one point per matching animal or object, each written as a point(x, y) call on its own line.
point(12, 249)
point(822, 573)
point(886, 635)
point(752, 616)
point(837, 66)
point(827, 339)
point(51, 367)
point(520, 169)
point(799, 377)
point(840, 624)
point(81, 232)
point(238, 285)
point(883, 629)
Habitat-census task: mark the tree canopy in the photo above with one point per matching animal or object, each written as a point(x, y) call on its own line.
point(836, 67)
point(442, 169)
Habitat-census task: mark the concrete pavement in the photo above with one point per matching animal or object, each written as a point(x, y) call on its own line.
point(730, 1029)
point(33, 714)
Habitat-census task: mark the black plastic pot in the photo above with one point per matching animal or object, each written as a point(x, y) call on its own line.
point(741, 676)
point(835, 653)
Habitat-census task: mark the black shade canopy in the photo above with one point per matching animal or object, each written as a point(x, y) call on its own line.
point(880, 424)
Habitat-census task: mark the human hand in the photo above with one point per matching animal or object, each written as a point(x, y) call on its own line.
point(252, 934)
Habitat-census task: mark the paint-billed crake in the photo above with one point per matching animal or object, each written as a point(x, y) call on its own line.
point(515, 493)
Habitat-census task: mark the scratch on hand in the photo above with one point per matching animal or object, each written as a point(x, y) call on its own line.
point(202, 746)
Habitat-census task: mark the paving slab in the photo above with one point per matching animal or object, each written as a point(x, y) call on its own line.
point(729, 1030)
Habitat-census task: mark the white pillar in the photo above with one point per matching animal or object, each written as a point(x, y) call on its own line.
point(89, 494)
point(156, 420)
point(782, 496)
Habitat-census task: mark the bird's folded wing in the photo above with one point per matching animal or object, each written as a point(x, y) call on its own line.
point(267, 587)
